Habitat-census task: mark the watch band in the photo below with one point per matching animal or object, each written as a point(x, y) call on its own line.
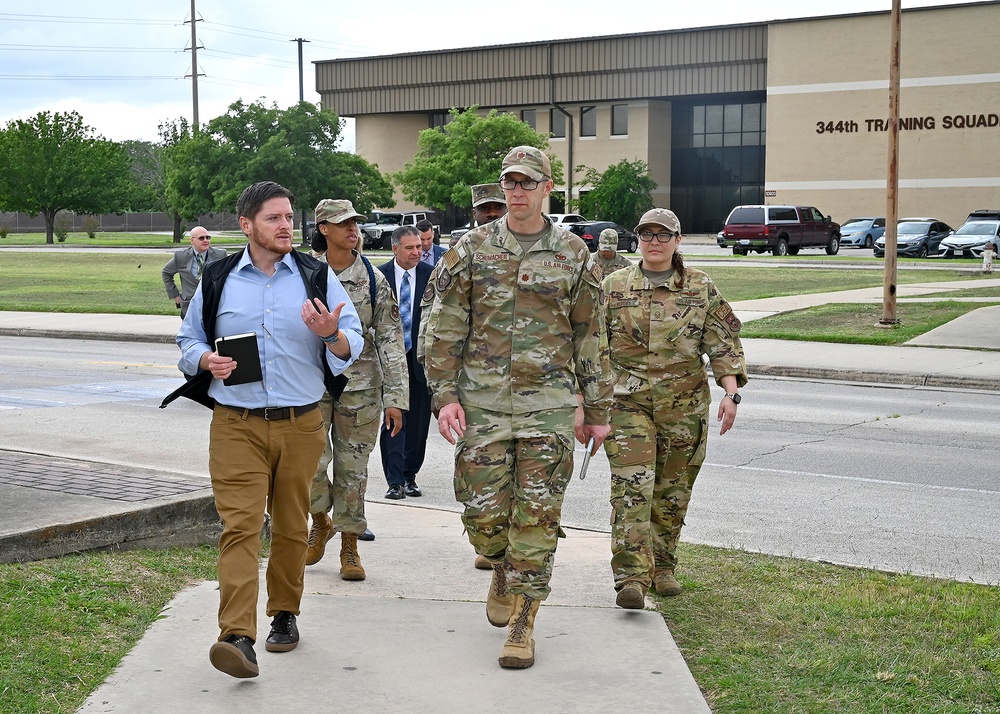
point(735, 396)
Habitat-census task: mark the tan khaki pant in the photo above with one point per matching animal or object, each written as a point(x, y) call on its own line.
point(257, 464)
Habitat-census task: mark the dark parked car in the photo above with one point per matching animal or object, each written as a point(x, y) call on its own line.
point(590, 231)
point(917, 237)
point(783, 230)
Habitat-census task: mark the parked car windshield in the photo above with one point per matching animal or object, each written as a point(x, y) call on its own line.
point(858, 223)
point(913, 228)
point(387, 219)
point(747, 215)
point(977, 229)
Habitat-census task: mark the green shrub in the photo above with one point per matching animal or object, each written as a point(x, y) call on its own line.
point(62, 225)
point(4, 231)
point(90, 226)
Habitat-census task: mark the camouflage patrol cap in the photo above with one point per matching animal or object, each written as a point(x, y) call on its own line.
point(660, 217)
point(608, 239)
point(336, 210)
point(527, 160)
point(487, 193)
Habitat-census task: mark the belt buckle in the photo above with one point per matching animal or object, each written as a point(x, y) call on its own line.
point(277, 412)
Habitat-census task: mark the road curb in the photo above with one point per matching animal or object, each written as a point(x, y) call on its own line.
point(85, 335)
point(943, 381)
point(180, 523)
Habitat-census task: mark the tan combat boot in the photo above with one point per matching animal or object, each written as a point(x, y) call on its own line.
point(665, 583)
point(350, 561)
point(483, 563)
point(500, 601)
point(632, 596)
point(319, 534)
point(519, 650)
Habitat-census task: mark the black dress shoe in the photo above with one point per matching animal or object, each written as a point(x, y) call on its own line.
point(367, 535)
point(235, 656)
point(284, 633)
point(395, 492)
point(411, 489)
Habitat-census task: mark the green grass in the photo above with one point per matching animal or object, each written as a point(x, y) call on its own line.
point(67, 622)
point(779, 635)
point(856, 323)
point(122, 240)
point(760, 633)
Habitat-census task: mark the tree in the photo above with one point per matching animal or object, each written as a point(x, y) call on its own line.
point(296, 147)
point(621, 194)
point(53, 162)
point(468, 150)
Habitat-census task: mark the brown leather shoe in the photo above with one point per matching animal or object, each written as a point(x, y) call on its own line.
point(319, 534)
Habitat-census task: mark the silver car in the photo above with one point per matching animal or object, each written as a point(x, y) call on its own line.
point(970, 240)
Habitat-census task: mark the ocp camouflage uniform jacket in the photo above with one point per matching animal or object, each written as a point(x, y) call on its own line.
point(514, 332)
point(382, 362)
point(657, 335)
point(610, 265)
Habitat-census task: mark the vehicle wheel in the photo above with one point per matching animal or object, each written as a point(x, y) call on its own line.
point(833, 247)
point(793, 250)
point(386, 242)
point(877, 254)
point(869, 242)
point(780, 248)
point(633, 245)
point(739, 251)
point(922, 251)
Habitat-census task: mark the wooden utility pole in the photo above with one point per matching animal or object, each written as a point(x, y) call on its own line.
point(194, 68)
point(302, 98)
point(892, 177)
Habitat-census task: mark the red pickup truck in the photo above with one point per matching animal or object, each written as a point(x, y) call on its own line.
point(783, 230)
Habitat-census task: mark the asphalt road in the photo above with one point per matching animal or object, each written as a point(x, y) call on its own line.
point(903, 479)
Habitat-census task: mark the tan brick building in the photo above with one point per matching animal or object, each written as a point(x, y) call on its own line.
point(781, 112)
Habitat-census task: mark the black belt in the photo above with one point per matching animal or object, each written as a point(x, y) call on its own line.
point(275, 413)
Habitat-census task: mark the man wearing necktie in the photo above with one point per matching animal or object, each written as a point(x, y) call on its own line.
point(430, 252)
point(403, 454)
point(189, 263)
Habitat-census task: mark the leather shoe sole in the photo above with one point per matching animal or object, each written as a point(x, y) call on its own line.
point(227, 657)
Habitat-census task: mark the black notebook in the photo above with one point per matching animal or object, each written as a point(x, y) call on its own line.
point(243, 349)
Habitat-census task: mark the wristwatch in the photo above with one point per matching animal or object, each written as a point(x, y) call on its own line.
point(735, 396)
point(335, 338)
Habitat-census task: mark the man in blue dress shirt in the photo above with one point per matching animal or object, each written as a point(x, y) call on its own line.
point(266, 436)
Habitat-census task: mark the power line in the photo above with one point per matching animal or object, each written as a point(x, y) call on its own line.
point(37, 77)
point(82, 48)
point(84, 19)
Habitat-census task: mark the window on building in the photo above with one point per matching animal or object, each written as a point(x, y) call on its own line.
point(588, 121)
point(528, 117)
point(557, 124)
point(619, 120)
point(439, 119)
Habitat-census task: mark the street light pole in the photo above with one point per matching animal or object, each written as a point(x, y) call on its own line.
point(300, 40)
point(194, 67)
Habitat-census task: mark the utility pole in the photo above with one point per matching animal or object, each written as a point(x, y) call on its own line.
point(194, 68)
point(892, 177)
point(300, 41)
point(302, 98)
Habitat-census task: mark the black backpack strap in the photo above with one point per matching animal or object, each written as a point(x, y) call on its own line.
point(371, 280)
point(314, 275)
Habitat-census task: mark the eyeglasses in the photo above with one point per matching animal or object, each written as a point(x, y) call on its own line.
point(528, 184)
point(204, 237)
point(647, 236)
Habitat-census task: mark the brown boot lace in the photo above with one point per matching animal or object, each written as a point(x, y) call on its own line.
point(518, 630)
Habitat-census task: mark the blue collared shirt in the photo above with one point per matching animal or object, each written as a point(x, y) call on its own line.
point(290, 354)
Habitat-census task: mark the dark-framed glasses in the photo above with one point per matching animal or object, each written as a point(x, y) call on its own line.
point(647, 236)
point(527, 184)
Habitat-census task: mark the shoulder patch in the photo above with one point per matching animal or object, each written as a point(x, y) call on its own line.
point(724, 313)
point(453, 257)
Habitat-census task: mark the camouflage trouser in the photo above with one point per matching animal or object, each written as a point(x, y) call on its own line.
point(511, 481)
point(656, 450)
point(356, 420)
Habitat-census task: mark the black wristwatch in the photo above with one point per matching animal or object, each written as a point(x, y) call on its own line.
point(735, 396)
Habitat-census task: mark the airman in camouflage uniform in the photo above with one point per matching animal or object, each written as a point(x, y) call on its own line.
point(377, 380)
point(607, 253)
point(516, 331)
point(661, 318)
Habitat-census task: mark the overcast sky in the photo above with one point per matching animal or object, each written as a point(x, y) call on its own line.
point(122, 65)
